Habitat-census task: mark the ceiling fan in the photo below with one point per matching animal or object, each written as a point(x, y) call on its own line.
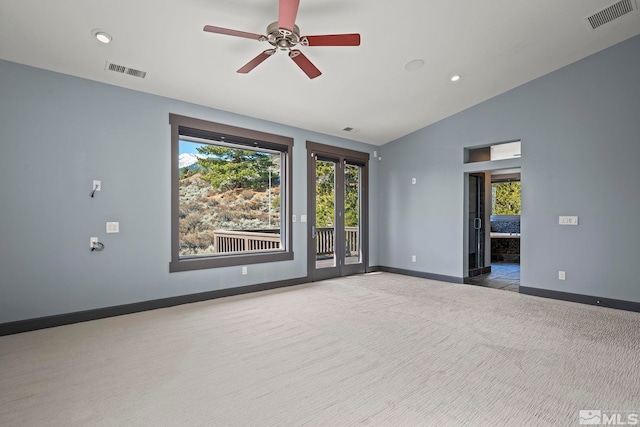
point(285, 35)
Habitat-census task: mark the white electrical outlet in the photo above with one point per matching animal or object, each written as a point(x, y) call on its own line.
point(303, 218)
point(562, 275)
point(244, 271)
point(293, 218)
point(413, 258)
point(113, 227)
point(93, 242)
point(97, 185)
point(413, 180)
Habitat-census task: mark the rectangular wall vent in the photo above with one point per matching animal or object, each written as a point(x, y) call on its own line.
point(612, 12)
point(350, 129)
point(125, 70)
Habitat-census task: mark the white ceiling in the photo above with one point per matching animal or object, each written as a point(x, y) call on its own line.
point(495, 45)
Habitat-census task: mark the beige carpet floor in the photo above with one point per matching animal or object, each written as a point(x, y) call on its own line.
point(378, 349)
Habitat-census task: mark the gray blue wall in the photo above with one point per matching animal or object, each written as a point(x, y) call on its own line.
point(59, 133)
point(580, 132)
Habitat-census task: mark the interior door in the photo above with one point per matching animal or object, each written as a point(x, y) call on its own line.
point(337, 219)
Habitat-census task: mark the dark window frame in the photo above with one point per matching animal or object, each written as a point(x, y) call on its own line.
point(182, 125)
point(339, 155)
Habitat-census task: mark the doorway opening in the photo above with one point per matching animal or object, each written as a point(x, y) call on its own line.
point(494, 245)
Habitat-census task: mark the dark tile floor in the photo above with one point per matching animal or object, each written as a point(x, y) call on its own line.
point(504, 275)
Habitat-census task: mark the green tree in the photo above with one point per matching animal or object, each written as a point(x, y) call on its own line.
point(506, 198)
point(325, 194)
point(229, 168)
point(351, 195)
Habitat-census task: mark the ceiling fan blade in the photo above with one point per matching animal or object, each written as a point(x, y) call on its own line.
point(287, 12)
point(228, 32)
point(304, 64)
point(256, 61)
point(332, 40)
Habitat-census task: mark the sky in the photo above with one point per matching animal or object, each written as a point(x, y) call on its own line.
point(189, 147)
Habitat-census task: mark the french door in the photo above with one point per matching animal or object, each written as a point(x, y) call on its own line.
point(337, 211)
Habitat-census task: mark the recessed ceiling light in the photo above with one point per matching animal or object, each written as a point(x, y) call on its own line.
point(455, 78)
point(414, 65)
point(101, 36)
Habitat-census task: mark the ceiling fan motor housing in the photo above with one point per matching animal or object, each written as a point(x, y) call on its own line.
point(282, 38)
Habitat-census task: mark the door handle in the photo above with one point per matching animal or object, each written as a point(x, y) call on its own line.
point(477, 223)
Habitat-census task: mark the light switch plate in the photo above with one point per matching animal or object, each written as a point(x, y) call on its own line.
point(113, 227)
point(303, 218)
point(568, 220)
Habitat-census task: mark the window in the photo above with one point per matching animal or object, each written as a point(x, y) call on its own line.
point(231, 195)
point(502, 151)
point(505, 198)
point(506, 206)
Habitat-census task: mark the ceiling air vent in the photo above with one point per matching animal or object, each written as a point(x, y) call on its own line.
point(126, 70)
point(614, 11)
point(350, 129)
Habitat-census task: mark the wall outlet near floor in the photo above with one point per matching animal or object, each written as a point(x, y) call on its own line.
point(413, 258)
point(562, 275)
point(113, 227)
point(97, 185)
point(244, 271)
point(93, 242)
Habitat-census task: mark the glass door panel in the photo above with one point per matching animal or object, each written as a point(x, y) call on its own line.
point(352, 213)
point(476, 224)
point(325, 218)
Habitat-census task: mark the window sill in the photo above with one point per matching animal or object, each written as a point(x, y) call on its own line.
point(188, 264)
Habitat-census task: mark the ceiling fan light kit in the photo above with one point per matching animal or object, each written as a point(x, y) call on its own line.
point(285, 35)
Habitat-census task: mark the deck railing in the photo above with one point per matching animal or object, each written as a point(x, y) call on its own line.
point(244, 241)
point(325, 241)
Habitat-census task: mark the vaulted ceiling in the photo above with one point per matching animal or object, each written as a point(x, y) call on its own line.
point(494, 45)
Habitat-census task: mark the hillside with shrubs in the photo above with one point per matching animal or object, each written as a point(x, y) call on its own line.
point(231, 190)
